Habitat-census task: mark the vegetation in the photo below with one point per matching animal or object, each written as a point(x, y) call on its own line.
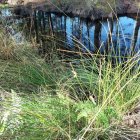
point(53, 98)
point(52, 101)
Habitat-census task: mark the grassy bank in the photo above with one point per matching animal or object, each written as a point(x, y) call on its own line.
point(83, 99)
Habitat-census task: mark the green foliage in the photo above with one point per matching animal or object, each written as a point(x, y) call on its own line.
point(38, 75)
point(84, 101)
point(3, 5)
point(47, 117)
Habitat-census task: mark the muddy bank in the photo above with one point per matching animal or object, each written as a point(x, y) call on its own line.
point(91, 9)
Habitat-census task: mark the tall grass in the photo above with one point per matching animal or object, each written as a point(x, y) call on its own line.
point(87, 100)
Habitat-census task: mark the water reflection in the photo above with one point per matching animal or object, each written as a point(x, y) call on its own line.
point(120, 35)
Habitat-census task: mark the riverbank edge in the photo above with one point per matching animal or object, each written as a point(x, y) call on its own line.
point(92, 13)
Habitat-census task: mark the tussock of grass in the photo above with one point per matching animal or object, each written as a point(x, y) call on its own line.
point(7, 46)
point(84, 101)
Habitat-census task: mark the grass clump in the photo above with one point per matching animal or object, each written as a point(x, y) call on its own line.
point(7, 46)
point(3, 5)
point(84, 101)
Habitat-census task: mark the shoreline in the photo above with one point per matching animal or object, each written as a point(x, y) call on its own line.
point(92, 13)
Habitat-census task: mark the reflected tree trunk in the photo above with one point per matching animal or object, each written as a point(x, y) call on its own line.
point(56, 21)
point(65, 30)
point(36, 26)
point(61, 23)
point(97, 36)
point(50, 24)
point(39, 20)
point(43, 21)
point(65, 26)
point(136, 31)
point(72, 27)
point(88, 33)
point(109, 43)
point(117, 42)
point(80, 31)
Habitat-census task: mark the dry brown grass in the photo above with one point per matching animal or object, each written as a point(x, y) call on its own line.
point(7, 45)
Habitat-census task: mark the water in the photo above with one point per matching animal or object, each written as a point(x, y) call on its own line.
point(119, 36)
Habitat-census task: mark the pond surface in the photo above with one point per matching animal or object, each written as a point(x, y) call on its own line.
point(119, 36)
